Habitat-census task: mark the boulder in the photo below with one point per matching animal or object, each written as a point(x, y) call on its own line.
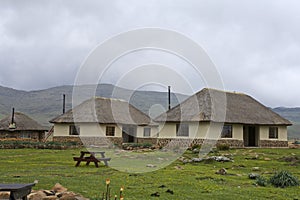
point(37, 195)
point(58, 188)
point(4, 195)
point(222, 171)
point(253, 176)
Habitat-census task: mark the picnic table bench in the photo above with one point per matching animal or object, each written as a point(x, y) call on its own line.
point(91, 157)
point(17, 191)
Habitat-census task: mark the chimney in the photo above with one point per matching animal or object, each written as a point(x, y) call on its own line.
point(169, 95)
point(13, 116)
point(64, 103)
point(12, 125)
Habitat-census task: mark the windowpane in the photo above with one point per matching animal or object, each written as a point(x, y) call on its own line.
point(226, 131)
point(110, 131)
point(273, 132)
point(147, 132)
point(74, 130)
point(182, 130)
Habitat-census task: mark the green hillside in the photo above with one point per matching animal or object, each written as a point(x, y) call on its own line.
point(43, 105)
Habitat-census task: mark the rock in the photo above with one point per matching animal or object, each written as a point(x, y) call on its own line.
point(58, 188)
point(197, 159)
point(150, 165)
point(170, 191)
point(50, 198)
point(49, 192)
point(253, 176)
point(68, 196)
point(38, 195)
point(255, 169)
point(221, 159)
point(4, 195)
point(267, 159)
point(222, 171)
point(196, 150)
point(156, 194)
point(178, 167)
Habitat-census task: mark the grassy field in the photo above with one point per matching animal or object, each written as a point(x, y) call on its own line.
point(187, 181)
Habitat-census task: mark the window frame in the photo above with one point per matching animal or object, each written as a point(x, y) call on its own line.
point(74, 130)
point(149, 133)
point(229, 134)
point(110, 131)
point(273, 132)
point(182, 130)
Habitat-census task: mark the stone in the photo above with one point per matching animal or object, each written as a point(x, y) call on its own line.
point(197, 159)
point(49, 192)
point(222, 171)
point(267, 159)
point(253, 176)
point(178, 167)
point(196, 150)
point(255, 169)
point(50, 198)
point(58, 188)
point(4, 195)
point(38, 195)
point(150, 165)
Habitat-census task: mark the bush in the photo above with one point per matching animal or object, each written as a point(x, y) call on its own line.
point(284, 179)
point(261, 181)
point(223, 147)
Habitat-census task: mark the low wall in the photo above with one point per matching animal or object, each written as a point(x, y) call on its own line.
point(34, 136)
point(273, 143)
point(152, 141)
point(190, 142)
point(88, 141)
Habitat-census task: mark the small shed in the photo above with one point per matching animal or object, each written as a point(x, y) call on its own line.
point(20, 126)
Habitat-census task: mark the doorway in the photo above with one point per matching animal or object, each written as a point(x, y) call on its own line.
point(250, 135)
point(129, 133)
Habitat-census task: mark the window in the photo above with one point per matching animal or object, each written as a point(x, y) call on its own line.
point(25, 135)
point(182, 130)
point(147, 132)
point(74, 130)
point(273, 132)
point(110, 131)
point(226, 131)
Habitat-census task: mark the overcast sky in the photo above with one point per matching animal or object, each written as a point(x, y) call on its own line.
point(255, 45)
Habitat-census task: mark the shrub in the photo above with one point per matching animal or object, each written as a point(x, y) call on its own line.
point(223, 147)
point(284, 179)
point(261, 181)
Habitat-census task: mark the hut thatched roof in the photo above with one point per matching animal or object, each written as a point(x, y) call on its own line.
point(104, 111)
point(22, 123)
point(221, 106)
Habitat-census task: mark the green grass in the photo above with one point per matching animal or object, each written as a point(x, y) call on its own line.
point(194, 181)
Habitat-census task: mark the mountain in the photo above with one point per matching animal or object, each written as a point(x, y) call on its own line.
point(43, 105)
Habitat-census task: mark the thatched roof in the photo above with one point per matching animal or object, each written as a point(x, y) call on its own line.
point(104, 111)
point(220, 106)
point(22, 123)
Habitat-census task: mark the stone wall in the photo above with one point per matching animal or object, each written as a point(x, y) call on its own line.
point(273, 143)
point(36, 136)
point(190, 142)
point(147, 140)
point(88, 141)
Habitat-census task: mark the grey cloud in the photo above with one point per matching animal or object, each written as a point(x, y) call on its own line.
point(254, 44)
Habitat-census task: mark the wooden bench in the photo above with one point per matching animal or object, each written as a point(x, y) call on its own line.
point(91, 158)
point(17, 191)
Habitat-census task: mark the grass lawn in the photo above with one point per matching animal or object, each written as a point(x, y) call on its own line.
point(188, 181)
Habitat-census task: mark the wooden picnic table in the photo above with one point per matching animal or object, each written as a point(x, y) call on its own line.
point(91, 157)
point(17, 191)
